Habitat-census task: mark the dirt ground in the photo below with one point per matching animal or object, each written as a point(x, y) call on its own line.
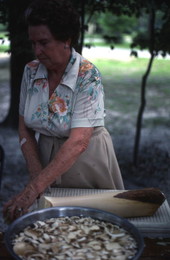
point(153, 168)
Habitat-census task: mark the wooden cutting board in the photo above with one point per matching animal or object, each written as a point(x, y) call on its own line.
point(126, 203)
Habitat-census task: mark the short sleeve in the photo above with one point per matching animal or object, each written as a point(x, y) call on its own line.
point(28, 75)
point(89, 101)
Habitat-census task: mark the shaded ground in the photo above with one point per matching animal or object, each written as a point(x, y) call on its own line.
point(153, 167)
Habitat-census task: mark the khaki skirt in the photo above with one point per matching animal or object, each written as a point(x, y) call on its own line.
point(97, 167)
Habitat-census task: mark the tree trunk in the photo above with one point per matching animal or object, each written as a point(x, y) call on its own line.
point(21, 53)
point(141, 110)
point(143, 85)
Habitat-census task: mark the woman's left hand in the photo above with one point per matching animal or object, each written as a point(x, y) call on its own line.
point(20, 204)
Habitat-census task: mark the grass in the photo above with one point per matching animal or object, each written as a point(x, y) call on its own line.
point(122, 83)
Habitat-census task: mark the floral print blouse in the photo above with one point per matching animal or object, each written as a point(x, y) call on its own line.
point(76, 102)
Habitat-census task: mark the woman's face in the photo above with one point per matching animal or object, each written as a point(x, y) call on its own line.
point(50, 52)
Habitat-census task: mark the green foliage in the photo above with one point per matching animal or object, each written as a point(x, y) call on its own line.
point(163, 42)
point(121, 24)
point(156, 32)
point(114, 19)
point(4, 11)
point(112, 27)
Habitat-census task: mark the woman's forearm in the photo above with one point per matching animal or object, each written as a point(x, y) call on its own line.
point(29, 149)
point(64, 159)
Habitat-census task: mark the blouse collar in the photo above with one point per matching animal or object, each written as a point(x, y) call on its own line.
point(70, 75)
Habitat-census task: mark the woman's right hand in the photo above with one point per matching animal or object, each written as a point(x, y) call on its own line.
point(19, 204)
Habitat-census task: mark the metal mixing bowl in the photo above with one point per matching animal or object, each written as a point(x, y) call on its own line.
point(24, 221)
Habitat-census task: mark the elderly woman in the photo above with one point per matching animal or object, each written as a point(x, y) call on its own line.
point(62, 100)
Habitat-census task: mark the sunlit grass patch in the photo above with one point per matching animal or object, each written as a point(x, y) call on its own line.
point(122, 85)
